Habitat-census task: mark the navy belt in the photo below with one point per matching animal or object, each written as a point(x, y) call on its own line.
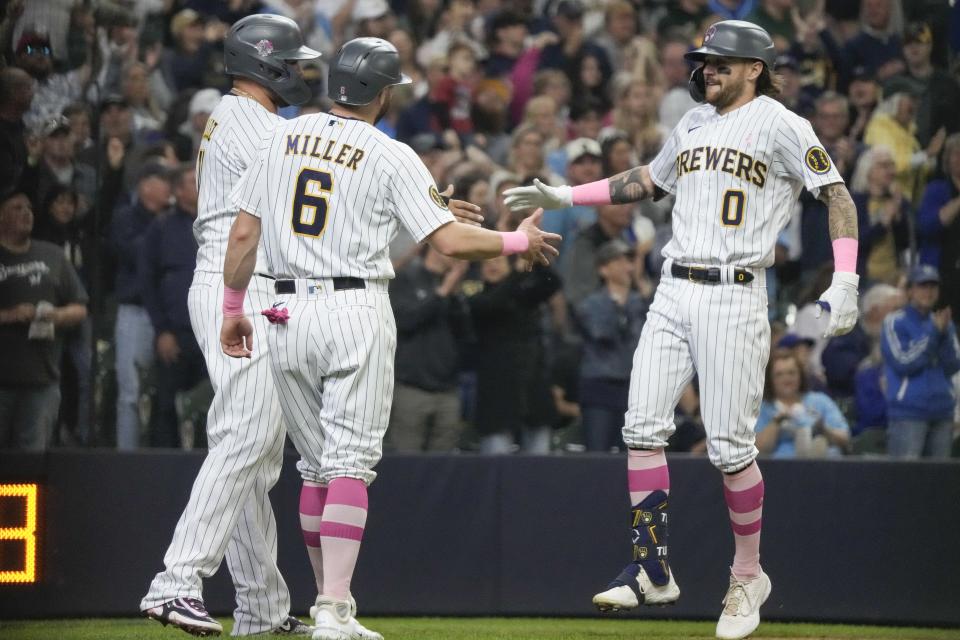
point(709, 275)
point(339, 284)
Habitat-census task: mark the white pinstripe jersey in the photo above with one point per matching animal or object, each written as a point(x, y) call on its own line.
point(331, 192)
point(236, 129)
point(736, 178)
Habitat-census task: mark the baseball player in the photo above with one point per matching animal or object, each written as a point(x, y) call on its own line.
point(328, 192)
point(229, 510)
point(736, 165)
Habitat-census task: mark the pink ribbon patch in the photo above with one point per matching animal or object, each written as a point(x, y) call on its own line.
point(276, 316)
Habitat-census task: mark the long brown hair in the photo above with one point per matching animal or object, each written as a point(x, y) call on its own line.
point(769, 83)
point(776, 356)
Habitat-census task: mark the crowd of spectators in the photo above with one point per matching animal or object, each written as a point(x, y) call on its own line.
point(103, 104)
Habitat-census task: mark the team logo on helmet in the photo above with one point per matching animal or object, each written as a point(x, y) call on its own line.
point(817, 160)
point(708, 36)
point(439, 200)
point(264, 47)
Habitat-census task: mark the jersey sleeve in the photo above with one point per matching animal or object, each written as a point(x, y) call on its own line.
point(800, 155)
point(413, 196)
point(250, 192)
point(663, 168)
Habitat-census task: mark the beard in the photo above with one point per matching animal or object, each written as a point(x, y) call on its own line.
point(384, 108)
point(728, 94)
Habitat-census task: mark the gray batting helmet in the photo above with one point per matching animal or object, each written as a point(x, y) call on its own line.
point(361, 68)
point(730, 39)
point(259, 47)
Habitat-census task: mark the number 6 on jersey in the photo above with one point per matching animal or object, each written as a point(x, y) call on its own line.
point(310, 207)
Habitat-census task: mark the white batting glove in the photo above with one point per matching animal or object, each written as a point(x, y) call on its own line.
point(538, 196)
point(840, 300)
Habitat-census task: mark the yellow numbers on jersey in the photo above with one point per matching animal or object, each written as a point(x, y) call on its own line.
point(310, 202)
point(731, 209)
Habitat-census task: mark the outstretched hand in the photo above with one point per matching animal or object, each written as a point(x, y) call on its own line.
point(236, 337)
point(538, 195)
point(541, 247)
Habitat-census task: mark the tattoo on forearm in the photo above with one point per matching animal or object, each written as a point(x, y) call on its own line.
point(842, 211)
point(628, 186)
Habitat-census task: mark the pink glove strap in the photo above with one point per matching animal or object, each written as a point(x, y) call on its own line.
point(592, 193)
point(514, 242)
point(845, 255)
point(233, 302)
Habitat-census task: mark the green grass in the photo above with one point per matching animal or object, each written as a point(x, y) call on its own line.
point(482, 629)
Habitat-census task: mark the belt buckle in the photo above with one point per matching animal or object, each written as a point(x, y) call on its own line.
point(690, 274)
point(315, 287)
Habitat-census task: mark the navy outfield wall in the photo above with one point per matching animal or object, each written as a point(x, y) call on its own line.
point(857, 541)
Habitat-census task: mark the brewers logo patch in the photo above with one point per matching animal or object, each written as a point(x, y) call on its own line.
point(817, 160)
point(439, 200)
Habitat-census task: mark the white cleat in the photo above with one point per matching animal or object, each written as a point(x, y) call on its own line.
point(335, 624)
point(741, 611)
point(632, 588)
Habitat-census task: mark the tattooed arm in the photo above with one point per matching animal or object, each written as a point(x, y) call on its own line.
point(842, 211)
point(633, 185)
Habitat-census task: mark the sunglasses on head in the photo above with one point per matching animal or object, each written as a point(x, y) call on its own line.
point(37, 49)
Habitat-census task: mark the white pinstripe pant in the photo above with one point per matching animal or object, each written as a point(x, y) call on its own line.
point(229, 511)
point(720, 331)
point(333, 364)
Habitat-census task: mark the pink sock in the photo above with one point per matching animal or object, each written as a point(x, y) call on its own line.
point(646, 473)
point(743, 492)
point(341, 531)
point(313, 497)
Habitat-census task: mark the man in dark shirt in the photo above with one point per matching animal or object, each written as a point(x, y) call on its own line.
point(16, 94)
point(431, 315)
point(613, 222)
point(167, 261)
point(134, 331)
point(41, 296)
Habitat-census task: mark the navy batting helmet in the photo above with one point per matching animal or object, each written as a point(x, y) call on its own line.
point(259, 47)
point(730, 39)
point(361, 68)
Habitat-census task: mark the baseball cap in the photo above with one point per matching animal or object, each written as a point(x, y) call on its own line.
point(786, 61)
point(370, 9)
point(56, 125)
point(612, 250)
point(791, 340)
point(582, 147)
point(864, 73)
point(426, 141)
point(570, 9)
point(923, 273)
point(183, 19)
point(153, 170)
point(114, 99)
point(902, 84)
point(204, 101)
point(917, 32)
point(33, 39)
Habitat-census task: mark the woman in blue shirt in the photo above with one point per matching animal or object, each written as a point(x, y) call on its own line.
point(795, 422)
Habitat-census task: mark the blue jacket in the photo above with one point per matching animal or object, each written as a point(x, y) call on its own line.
point(610, 334)
point(126, 239)
point(167, 261)
point(918, 362)
point(930, 230)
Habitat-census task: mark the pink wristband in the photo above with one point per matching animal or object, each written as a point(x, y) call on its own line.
point(592, 193)
point(514, 242)
point(233, 302)
point(845, 255)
